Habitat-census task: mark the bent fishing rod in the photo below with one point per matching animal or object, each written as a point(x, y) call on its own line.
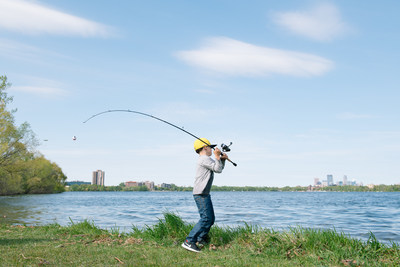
point(225, 148)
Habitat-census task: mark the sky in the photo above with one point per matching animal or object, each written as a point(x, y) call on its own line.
point(302, 89)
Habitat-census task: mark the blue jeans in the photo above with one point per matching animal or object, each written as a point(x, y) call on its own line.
point(207, 218)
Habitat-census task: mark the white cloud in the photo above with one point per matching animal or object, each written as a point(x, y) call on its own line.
point(43, 91)
point(41, 87)
point(14, 49)
point(232, 57)
point(22, 51)
point(32, 18)
point(321, 23)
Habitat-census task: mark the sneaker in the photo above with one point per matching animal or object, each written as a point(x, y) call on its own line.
point(204, 241)
point(190, 246)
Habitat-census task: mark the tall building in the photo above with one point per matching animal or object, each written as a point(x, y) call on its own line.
point(149, 185)
point(330, 179)
point(345, 180)
point(316, 181)
point(98, 177)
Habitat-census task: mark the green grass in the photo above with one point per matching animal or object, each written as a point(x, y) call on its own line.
point(85, 244)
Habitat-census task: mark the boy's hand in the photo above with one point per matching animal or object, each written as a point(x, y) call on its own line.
point(217, 153)
point(224, 156)
point(218, 156)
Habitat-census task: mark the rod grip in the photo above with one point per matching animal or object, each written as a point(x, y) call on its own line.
point(234, 164)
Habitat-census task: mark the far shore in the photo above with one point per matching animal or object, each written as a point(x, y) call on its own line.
point(174, 188)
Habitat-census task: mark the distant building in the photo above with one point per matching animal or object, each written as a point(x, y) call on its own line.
point(131, 184)
point(164, 185)
point(149, 185)
point(98, 177)
point(345, 180)
point(329, 177)
point(329, 182)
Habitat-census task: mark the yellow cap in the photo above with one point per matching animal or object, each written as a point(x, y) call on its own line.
point(202, 142)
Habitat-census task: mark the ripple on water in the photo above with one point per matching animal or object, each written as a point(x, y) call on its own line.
point(355, 213)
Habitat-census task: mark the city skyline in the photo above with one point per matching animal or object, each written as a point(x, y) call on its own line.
point(98, 177)
point(330, 181)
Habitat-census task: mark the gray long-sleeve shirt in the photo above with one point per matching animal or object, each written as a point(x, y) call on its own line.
point(206, 167)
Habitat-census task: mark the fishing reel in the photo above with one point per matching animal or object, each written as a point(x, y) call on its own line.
point(226, 148)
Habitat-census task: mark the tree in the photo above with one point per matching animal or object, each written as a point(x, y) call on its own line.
point(43, 176)
point(14, 141)
point(22, 169)
point(12, 148)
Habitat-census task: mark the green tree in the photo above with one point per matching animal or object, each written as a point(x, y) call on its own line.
point(14, 141)
point(14, 145)
point(43, 176)
point(22, 169)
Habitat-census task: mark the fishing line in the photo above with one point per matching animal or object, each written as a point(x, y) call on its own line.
point(154, 117)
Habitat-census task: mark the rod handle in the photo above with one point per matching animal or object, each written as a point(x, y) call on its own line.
point(234, 164)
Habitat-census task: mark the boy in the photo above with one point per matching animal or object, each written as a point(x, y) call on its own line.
point(206, 167)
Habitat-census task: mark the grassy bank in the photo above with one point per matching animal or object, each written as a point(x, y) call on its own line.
point(84, 244)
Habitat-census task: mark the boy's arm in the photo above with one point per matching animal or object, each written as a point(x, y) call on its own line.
point(216, 166)
point(219, 156)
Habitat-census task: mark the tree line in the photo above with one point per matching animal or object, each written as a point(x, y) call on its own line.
point(23, 170)
point(354, 188)
point(347, 188)
point(122, 187)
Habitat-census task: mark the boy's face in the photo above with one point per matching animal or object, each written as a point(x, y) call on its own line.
point(208, 150)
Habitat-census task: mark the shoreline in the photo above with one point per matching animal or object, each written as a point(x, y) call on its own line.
point(86, 244)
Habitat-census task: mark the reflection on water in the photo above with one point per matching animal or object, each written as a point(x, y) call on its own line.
point(355, 213)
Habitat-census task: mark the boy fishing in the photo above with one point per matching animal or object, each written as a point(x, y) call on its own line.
point(206, 167)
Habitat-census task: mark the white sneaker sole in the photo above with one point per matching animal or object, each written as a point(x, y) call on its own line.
point(190, 249)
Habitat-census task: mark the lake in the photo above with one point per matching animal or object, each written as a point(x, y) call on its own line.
point(355, 213)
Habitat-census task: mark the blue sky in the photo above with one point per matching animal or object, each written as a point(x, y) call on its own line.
point(302, 88)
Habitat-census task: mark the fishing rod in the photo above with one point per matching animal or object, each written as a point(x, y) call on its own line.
point(225, 148)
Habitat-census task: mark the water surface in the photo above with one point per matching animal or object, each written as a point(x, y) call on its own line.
point(355, 213)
